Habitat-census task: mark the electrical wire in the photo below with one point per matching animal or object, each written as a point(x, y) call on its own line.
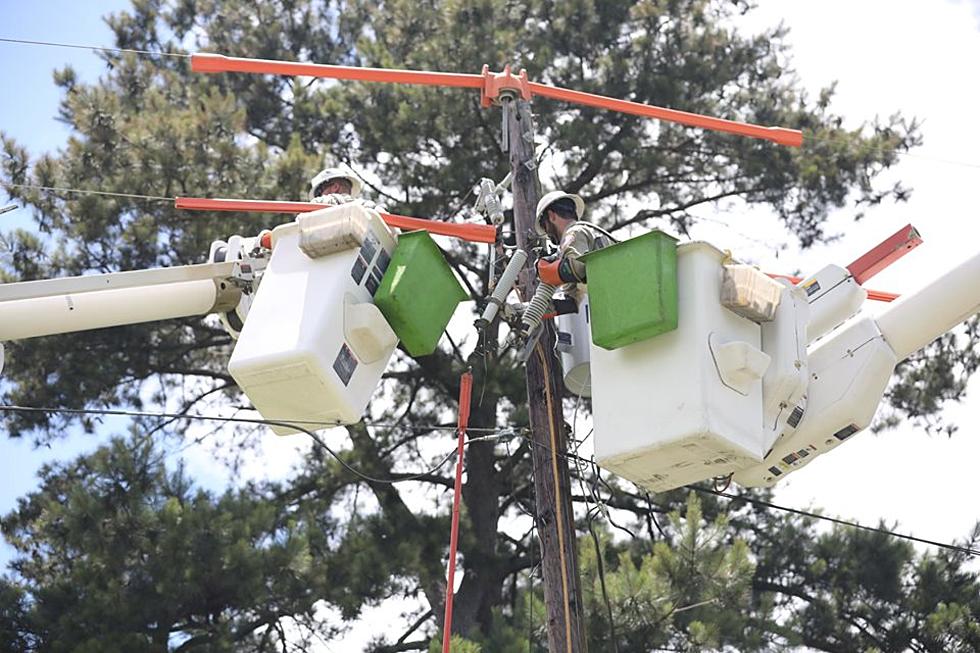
point(516, 431)
point(247, 420)
point(401, 478)
point(840, 522)
point(76, 46)
point(83, 191)
point(803, 513)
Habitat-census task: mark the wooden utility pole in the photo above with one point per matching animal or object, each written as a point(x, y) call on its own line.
point(552, 484)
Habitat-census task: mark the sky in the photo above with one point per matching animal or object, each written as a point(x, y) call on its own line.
point(28, 110)
point(913, 57)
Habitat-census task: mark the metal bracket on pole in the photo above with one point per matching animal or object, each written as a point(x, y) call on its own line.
point(506, 106)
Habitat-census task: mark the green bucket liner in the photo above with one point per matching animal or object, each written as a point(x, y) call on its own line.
point(633, 289)
point(418, 293)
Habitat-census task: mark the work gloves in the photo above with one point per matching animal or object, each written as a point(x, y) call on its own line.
point(336, 199)
point(555, 270)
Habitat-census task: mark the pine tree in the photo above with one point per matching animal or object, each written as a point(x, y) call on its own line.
point(149, 126)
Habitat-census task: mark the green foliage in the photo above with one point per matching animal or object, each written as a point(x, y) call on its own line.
point(849, 589)
point(688, 594)
point(456, 643)
point(933, 376)
point(117, 553)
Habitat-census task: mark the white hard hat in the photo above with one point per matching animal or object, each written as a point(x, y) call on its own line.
point(551, 198)
point(327, 174)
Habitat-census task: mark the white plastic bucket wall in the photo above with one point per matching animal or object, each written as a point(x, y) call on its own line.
point(314, 346)
point(663, 415)
point(574, 342)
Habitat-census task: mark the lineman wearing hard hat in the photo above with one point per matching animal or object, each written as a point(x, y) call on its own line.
point(335, 186)
point(559, 219)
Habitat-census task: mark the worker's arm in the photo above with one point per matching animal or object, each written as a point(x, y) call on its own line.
point(567, 266)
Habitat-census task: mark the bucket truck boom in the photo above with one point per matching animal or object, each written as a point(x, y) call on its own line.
point(850, 369)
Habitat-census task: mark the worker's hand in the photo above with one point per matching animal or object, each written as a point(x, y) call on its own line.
point(368, 204)
point(555, 271)
point(548, 271)
point(333, 199)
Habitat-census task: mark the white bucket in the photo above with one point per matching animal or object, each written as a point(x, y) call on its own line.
point(314, 345)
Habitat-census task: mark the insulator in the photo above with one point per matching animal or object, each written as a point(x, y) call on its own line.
point(491, 201)
point(538, 306)
point(504, 284)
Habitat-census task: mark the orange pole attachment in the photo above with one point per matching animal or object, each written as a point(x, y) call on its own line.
point(217, 63)
point(465, 393)
point(474, 233)
point(876, 295)
point(489, 84)
point(780, 135)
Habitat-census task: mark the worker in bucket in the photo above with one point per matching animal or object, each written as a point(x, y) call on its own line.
point(558, 218)
point(335, 186)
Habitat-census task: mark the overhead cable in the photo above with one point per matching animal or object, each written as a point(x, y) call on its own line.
point(400, 478)
point(804, 513)
point(497, 433)
point(94, 47)
point(85, 191)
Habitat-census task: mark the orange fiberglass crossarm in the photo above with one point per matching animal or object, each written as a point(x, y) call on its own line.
point(217, 63)
point(491, 84)
point(474, 233)
point(780, 135)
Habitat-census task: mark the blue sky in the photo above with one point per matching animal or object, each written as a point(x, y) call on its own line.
point(29, 109)
point(31, 119)
point(28, 113)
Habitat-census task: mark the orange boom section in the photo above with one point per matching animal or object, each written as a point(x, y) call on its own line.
point(474, 233)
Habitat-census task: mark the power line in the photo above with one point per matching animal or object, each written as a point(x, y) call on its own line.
point(288, 423)
point(84, 191)
point(842, 522)
point(808, 138)
point(774, 506)
point(76, 46)
point(495, 434)
point(400, 478)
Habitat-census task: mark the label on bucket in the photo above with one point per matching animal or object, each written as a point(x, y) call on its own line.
point(345, 364)
point(357, 272)
point(369, 247)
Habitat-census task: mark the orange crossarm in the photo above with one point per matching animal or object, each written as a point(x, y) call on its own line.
point(202, 62)
point(876, 295)
point(475, 233)
point(781, 135)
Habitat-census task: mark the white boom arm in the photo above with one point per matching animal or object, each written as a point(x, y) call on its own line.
point(915, 320)
point(851, 368)
point(40, 308)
